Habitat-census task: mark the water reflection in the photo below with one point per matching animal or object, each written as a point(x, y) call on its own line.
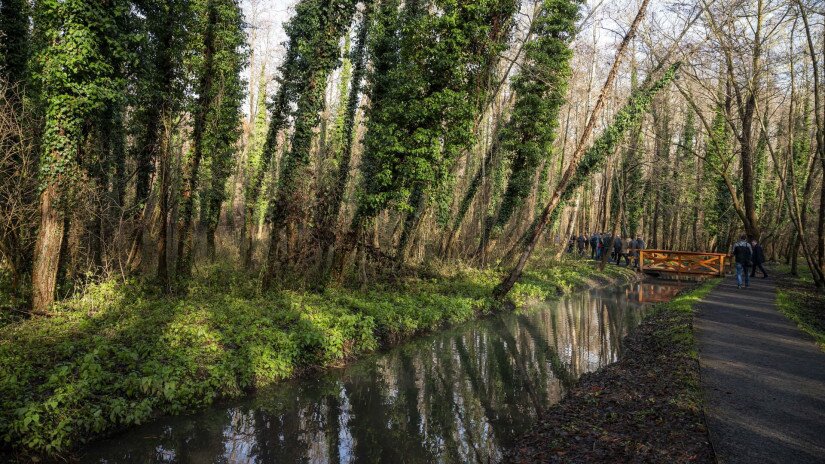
point(461, 395)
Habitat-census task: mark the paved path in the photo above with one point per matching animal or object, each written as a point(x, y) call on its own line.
point(763, 379)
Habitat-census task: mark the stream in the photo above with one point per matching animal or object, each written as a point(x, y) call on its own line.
point(459, 395)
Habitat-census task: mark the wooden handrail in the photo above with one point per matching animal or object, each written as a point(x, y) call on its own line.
point(710, 253)
point(682, 262)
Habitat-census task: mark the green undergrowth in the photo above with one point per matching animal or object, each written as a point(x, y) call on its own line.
point(122, 353)
point(681, 332)
point(798, 300)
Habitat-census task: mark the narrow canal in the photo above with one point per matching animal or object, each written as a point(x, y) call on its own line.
point(460, 395)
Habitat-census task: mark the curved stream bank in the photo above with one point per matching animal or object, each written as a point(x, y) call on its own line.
point(460, 395)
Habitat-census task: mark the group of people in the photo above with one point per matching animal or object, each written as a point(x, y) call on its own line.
point(748, 256)
point(600, 243)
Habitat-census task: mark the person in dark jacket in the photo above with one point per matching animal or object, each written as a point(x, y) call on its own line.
point(638, 244)
point(627, 248)
point(758, 259)
point(600, 238)
point(742, 257)
point(594, 241)
point(617, 249)
point(580, 243)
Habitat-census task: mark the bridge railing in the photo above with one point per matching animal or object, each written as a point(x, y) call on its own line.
point(683, 262)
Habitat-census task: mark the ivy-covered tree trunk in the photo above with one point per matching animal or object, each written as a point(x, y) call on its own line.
point(224, 128)
point(309, 106)
point(76, 32)
point(276, 123)
point(335, 199)
point(473, 187)
point(203, 105)
point(169, 20)
point(411, 223)
point(314, 32)
point(144, 160)
point(254, 160)
point(423, 105)
point(659, 172)
point(165, 23)
point(540, 90)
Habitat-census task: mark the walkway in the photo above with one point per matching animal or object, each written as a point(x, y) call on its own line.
point(763, 379)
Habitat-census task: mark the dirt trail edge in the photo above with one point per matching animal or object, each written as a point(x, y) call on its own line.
point(763, 379)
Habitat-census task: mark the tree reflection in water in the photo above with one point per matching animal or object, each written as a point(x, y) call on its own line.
point(460, 395)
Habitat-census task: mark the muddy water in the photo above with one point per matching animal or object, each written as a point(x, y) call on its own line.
point(461, 395)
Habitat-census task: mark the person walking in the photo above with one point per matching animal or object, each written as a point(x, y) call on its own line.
point(758, 259)
point(617, 249)
point(628, 251)
point(580, 243)
point(594, 239)
point(742, 256)
point(638, 245)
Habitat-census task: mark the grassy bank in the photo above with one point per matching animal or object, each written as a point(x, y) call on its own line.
point(797, 298)
point(645, 408)
point(122, 353)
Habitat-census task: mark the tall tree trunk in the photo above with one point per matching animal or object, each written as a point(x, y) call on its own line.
point(146, 154)
point(293, 165)
point(205, 91)
point(47, 250)
point(489, 157)
point(411, 223)
point(819, 117)
point(336, 197)
point(276, 123)
point(164, 171)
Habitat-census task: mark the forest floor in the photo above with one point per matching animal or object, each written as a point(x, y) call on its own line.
point(121, 353)
point(645, 408)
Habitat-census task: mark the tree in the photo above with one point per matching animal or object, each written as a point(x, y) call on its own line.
point(315, 31)
point(333, 201)
point(540, 90)
point(422, 106)
point(746, 92)
point(217, 116)
point(161, 85)
point(77, 82)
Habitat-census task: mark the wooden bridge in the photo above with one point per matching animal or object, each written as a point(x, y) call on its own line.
point(678, 263)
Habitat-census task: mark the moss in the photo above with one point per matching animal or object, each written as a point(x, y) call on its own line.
point(121, 353)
